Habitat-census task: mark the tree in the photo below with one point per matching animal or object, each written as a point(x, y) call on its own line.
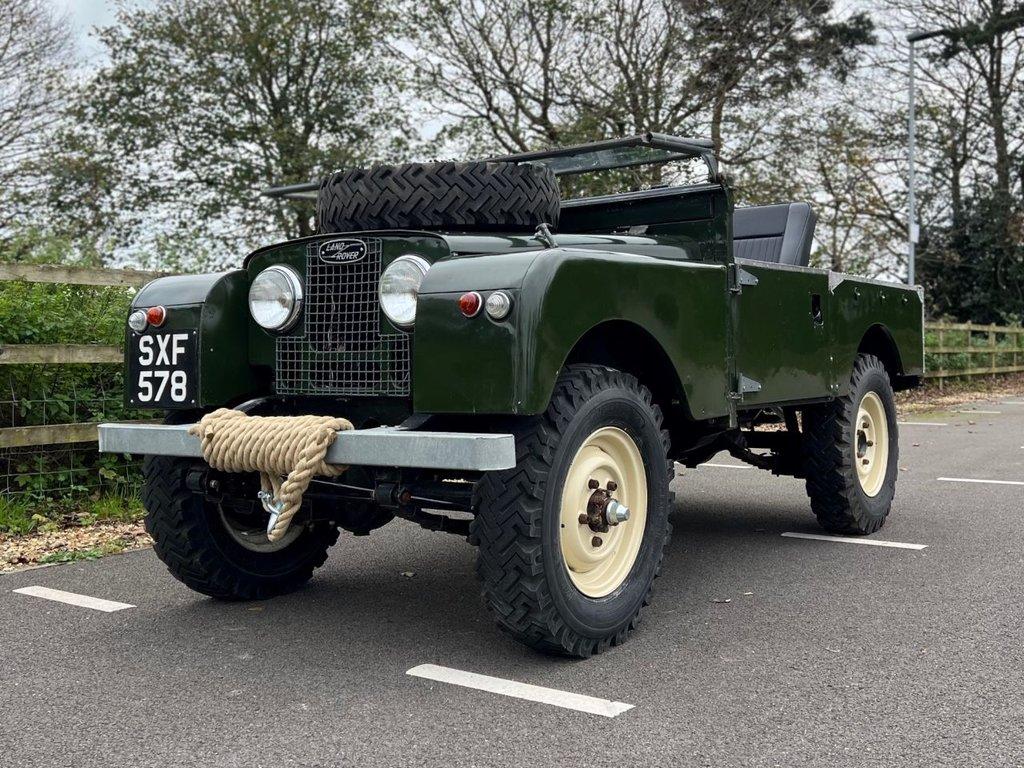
point(972, 254)
point(35, 50)
point(206, 102)
point(969, 272)
point(517, 74)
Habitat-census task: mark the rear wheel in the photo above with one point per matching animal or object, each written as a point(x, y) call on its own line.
point(852, 452)
point(572, 538)
point(222, 549)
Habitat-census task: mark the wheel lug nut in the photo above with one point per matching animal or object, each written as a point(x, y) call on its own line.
point(596, 541)
point(612, 486)
point(864, 461)
point(584, 520)
point(869, 444)
point(593, 485)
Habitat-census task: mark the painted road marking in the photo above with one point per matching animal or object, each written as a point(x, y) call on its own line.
point(553, 696)
point(922, 424)
point(975, 480)
point(727, 466)
point(854, 540)
point(992, 413)
point(1014, 402)
point(84, 601)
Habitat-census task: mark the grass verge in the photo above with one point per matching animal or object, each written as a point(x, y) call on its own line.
point(68, 531)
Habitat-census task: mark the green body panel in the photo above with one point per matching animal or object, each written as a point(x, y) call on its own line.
point(778, 343)
point(217, 306)
point(476, 365)
point(857, 305)
point(795, 356)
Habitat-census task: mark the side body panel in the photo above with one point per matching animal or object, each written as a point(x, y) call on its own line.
point(858, 305)
point(476, 365)
point(779, 342)
point(799, 330)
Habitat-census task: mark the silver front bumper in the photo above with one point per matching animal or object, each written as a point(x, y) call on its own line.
point(379, 447)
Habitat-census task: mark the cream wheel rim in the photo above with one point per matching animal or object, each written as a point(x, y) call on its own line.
point(872, 444)
point(597, 561)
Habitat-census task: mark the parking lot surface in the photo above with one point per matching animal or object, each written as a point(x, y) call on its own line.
point(759, 649)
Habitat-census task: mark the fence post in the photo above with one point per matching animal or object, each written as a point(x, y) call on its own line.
point(992, 354)
point(942, 355)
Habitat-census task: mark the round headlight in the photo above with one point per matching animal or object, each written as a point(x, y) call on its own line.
point(275, 297)
point(400, 287)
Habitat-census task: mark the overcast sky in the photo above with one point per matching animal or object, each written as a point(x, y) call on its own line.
point(86, 14)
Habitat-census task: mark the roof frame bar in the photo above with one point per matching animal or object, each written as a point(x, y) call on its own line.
point(680, 147)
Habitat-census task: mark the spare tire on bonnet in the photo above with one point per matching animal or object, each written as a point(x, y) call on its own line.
point(450, 196)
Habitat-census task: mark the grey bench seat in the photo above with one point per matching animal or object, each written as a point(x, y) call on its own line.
point(778, 234)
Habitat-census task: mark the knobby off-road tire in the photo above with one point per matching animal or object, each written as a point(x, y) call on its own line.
point(521, 516)
point(456, 196)
point(858, 430)
point(191, 536)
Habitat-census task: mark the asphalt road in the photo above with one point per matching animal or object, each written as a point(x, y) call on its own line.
point(827, 653)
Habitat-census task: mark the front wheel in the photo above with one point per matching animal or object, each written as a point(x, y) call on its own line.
point(852, 452)
point(222, 549)
point(571, 539)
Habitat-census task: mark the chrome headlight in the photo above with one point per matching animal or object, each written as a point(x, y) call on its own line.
point(400, 287)
point(275, 297)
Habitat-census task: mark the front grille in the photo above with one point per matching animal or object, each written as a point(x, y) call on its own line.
point(341, 349)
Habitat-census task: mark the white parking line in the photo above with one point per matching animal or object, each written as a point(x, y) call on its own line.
point(976, 480)
point(84, 601)
point(922, 423)
point(854, 540)
point(992, 413)
point(727, 466)
point(577, 701)
point(1013, 402)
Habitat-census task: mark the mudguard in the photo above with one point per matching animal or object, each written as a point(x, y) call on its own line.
point(215, 307)
point(478, 365)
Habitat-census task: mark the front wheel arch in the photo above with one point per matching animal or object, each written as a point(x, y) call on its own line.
point(628, 347)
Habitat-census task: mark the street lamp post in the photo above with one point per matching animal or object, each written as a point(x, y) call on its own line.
point(911, 128)
point(912, 228)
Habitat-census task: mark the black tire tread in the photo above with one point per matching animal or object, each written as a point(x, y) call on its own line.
point(508, 529)
point(830, 458)
point(182, 543)
point(457, 196)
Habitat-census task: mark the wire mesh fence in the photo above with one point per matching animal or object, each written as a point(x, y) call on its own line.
point(46, 473)
point(47, 433)
point(60, 375)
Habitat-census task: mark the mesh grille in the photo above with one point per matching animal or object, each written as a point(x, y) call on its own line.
point(341, 350)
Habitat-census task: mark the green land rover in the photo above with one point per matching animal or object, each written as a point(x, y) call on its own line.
point(520, 370)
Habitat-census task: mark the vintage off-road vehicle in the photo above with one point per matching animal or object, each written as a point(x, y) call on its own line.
point(522, 371)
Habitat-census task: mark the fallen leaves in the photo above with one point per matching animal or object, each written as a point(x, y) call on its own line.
point(68, 544)
point(955, 393)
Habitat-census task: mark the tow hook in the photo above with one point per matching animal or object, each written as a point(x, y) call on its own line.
point(274, 508)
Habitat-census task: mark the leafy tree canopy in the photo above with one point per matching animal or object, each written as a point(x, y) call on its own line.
point(206, 102)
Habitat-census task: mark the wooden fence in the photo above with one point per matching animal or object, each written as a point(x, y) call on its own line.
point(1001, 349)
point(62, 354)
point(976, 350)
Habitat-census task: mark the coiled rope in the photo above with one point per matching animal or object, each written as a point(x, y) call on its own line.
point(288, 447)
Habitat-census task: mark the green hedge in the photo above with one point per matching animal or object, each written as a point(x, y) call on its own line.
point(54, 484)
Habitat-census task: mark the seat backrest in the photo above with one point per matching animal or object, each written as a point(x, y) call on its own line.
point(780, 234)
